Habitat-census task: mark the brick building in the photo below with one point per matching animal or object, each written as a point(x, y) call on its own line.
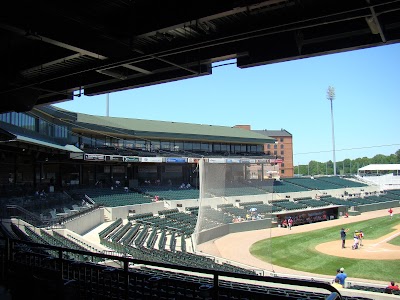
point(282, 148)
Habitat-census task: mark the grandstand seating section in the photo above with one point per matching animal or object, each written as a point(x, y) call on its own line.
point(341, 182)
point(162, 238)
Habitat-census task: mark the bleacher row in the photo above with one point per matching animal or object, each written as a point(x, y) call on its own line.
point(184, 222)
point(74, 279)
point(141, 246)
point(145, 194)
point(139, 240)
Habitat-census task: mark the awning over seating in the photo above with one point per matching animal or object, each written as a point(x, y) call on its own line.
point(69, 148)
point(10, 137)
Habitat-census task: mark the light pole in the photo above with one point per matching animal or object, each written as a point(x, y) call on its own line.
point(108, 105)
point(330, 96)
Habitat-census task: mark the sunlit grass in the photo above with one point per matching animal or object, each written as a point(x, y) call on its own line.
point(297, 251)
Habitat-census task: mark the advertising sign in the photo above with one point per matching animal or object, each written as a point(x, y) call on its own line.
point(247, 161)
point(217, 160)
point(151, 159)
point(131, 159)
point(262, 161)
point(114, 158)
point(276, 161)
point(97, 157)
point(233, 160)
point(175, 159)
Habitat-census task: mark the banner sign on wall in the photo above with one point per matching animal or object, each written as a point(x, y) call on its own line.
point(114, 158)
point(262, 161)
point(131, 159)
point(151, 159)
point(175, 160)
point(232, 160)
point(96, 157)
point(217, 160)
point(276, 161)
point(248, 161)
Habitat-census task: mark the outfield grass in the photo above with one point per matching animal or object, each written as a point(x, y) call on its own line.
point(297, 251)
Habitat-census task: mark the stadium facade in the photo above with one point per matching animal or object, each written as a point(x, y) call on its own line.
point(50, 146)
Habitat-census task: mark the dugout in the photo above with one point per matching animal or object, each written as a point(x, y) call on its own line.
point(309, 216)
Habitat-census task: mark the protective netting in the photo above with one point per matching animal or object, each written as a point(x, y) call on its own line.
point(235, 196)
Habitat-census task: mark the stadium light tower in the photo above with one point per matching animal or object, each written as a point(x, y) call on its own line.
point(108, 105)
point(330, 96)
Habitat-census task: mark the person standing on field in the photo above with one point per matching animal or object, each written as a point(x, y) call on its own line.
point(343, 237)
point(290, 223)
point(390, 211)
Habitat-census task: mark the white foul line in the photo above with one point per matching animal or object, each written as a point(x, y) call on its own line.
point(387, 239)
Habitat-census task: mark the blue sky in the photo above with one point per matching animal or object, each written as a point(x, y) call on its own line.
point(289, 95)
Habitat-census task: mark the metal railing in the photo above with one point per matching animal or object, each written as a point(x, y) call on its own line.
point(25, 260)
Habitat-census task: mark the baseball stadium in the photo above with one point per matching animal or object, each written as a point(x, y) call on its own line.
point(114, 195)
point(99, 207)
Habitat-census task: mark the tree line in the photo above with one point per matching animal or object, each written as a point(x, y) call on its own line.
point(346, 166)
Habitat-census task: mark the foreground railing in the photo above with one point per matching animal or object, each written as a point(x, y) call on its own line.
point(31, 269)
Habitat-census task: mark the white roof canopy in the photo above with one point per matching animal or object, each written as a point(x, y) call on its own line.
point(381, 167)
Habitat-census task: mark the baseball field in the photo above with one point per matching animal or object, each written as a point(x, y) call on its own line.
point(314, 250)
point(320, 251)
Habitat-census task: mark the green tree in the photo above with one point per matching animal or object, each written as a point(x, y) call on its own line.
point(346, 166)
point(398, 155)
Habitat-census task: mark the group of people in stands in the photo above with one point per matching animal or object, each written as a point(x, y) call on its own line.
point(40, 195)
point(339, 282)
point(185, 186)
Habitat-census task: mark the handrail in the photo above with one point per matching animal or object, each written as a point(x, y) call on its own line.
point(90, 199)
point(125, 261)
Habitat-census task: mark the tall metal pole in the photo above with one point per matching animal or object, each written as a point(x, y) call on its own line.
point(108, 105)
point(330, 97)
